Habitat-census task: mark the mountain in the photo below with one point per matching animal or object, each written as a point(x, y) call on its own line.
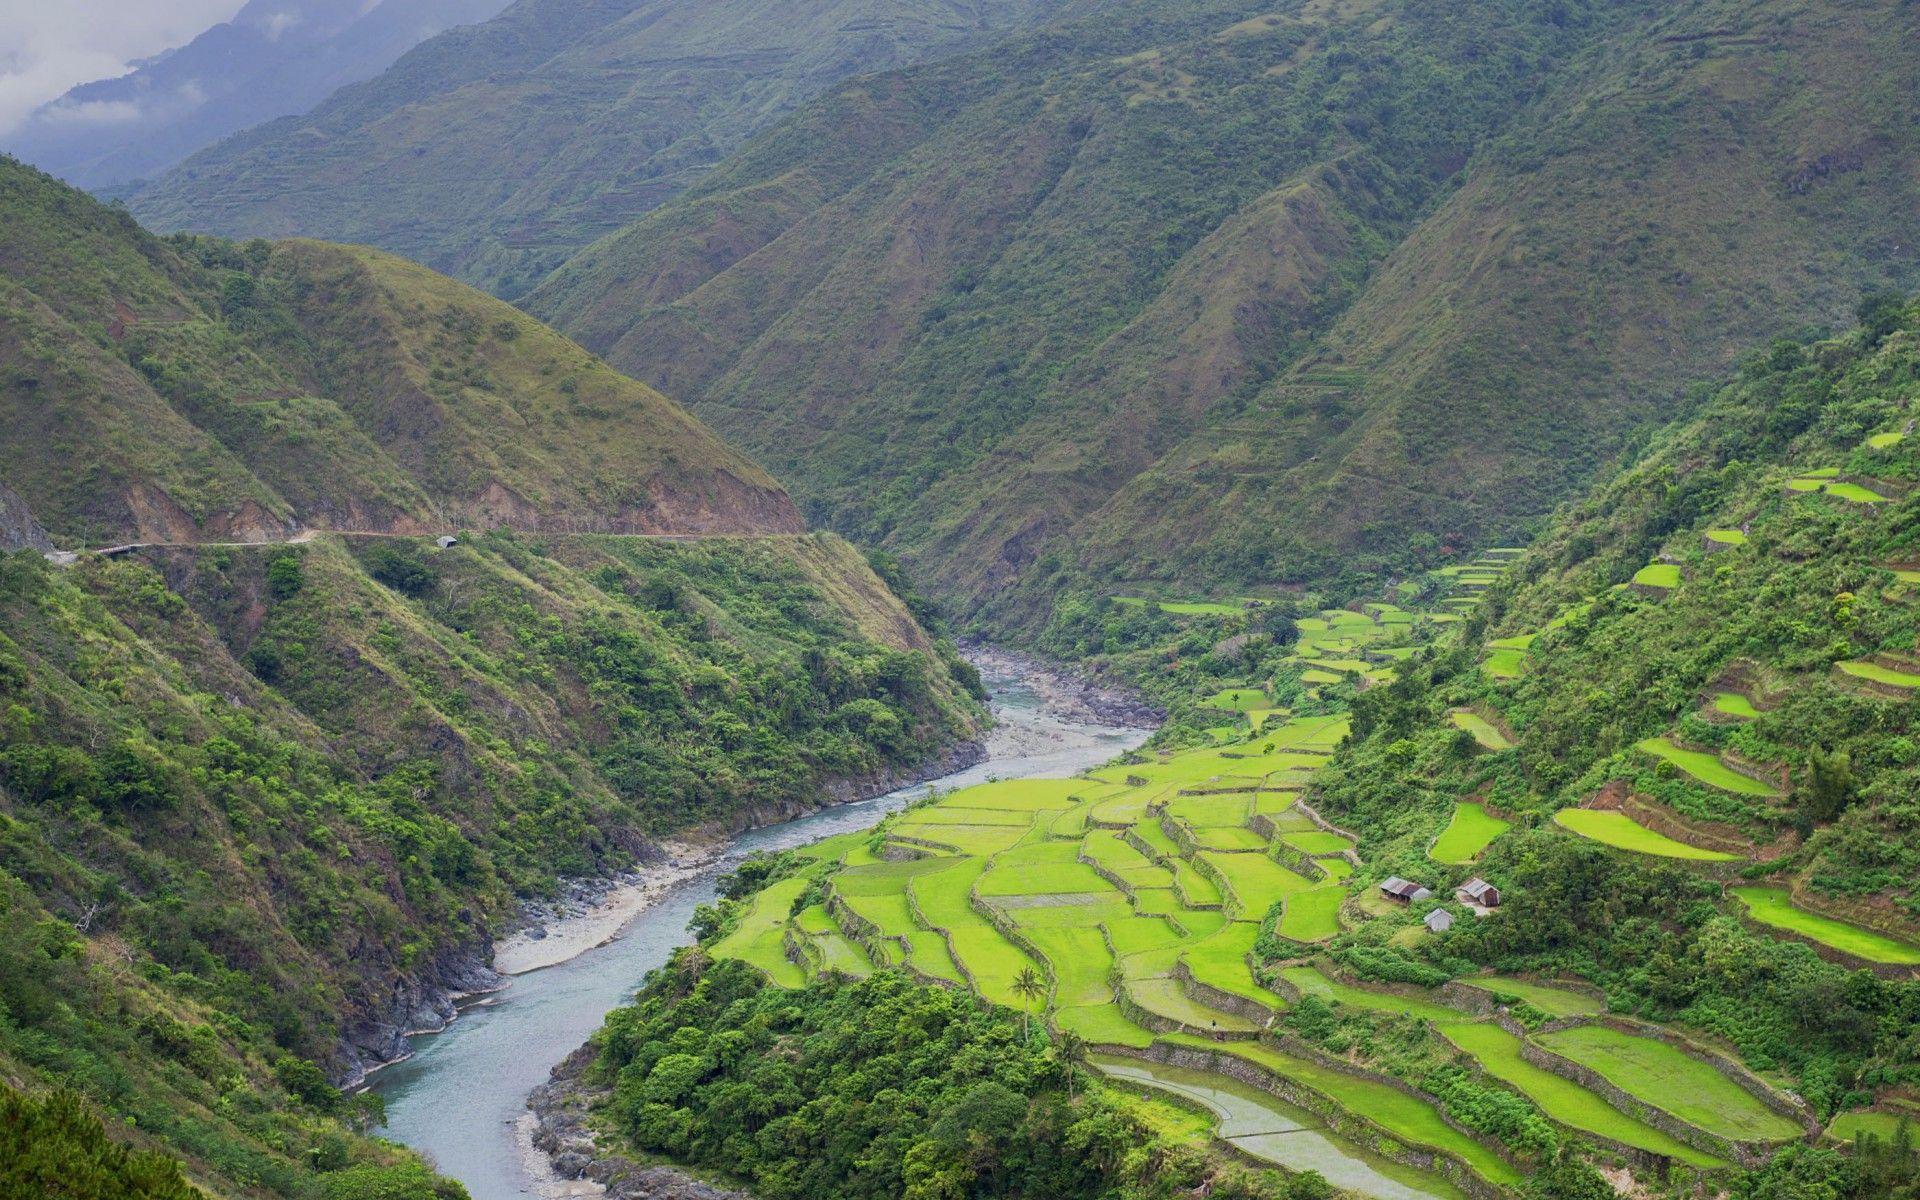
point(271, 783)
point(1704, 671)
point(199, 390)
point(493, 152)
point(1576, 871)
point(1231, 297)
point(275, 58)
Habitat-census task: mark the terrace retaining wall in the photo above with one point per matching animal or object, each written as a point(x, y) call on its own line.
point(1160, 1023)
point(1342, 1120)
point(1826, 952)
point(1749, 1153)
point(1205, 993)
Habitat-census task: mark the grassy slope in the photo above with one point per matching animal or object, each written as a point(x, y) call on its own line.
point(1178, 217)
point(1262, 369)
point(494, 151)
point(195, 390)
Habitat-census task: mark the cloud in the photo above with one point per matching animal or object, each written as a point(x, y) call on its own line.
point(279, 23)
point(50, 47)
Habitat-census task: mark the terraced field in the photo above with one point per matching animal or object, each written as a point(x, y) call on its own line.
point(1775, 907)
point(1125, 906)
point(1555, 1002)
point(1622, 832)
point(1880, 674)
point(1708, 768)
point(1482, 730)
point(1733, 704)
point(1498, 1053)
point(1471, 831)
point(1664, 1077)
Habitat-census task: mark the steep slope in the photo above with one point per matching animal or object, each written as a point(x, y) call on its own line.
point(1708, 678)
point(1728, 173)
point(273, 59)
point(493, 152)
point(198, 390)
point(263, 806)
point(1236, 296)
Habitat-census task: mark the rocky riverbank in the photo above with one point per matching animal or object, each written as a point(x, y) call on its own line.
point(1065, 690)
point(556, 1127)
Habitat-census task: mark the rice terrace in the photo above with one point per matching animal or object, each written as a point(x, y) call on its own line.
point(1170, 916)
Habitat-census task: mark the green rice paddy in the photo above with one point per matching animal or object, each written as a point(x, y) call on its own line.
point(1774, 906)
point(1880, 674)
point(1880, 441)
point(1483, 730)
point(1727, 537)
point(1317, 842)
point(1471, 831)
point(1622, 832)
point(1312, 915)
point(1850, 1125)
point(1733, 704)
point(1506, 664)
point(1707, 768)
point(1669, 1079)
point(1498, 1053)
point(1856, 493)
point(1659, 575)
point(1237, 700)
point(1555, 1002)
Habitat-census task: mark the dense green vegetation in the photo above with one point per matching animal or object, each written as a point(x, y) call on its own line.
point(1615, 673)
point(887, 1088)
point(494, 151)
point(196, 390)
point(1213, 324)
point(264, 798)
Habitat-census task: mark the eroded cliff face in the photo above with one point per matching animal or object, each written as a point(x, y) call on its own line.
point(18, 529)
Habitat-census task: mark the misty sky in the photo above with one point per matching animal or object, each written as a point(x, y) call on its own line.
point(47, 46)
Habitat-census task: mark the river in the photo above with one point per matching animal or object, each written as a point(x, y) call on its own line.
point(460, 1098)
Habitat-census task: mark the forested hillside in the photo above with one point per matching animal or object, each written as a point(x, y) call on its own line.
point(493, 152)
point(265, 799)
point(1568, 873)
point(1706, 672)
point(1235, 295)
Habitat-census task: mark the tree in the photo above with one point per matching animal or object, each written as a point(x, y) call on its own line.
point(1029, 987)
point(1072, 1049)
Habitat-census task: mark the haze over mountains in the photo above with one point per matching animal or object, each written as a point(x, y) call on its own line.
point(1198, 290)
point(493, 152)
point(273, 59)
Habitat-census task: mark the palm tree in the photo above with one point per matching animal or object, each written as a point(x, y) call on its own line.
point(1072, 1049)
point(1029, 987)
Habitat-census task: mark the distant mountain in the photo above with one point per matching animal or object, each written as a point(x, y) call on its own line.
point(195, 390)
point(1228, 295)
point(274, 59)
point(493, 152)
